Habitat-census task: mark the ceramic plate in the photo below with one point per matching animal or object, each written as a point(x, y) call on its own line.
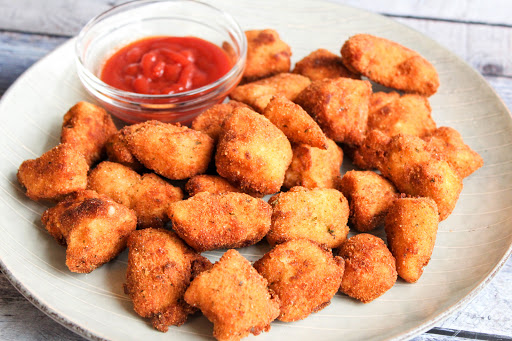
point(472, 244)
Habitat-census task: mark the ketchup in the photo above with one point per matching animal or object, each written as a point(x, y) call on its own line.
point(165, 65)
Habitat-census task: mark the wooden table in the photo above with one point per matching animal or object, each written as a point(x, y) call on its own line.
point(480, 32)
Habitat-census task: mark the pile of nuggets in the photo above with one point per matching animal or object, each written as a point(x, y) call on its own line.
point(281, 133)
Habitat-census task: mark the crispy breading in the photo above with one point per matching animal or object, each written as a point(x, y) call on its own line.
point(369, 195)
point(390, 64)
point(252, 153)
point(370, 268)
point(319, 214)
point(209, 221)
point(235, 297)
point(321, 64)
point(93, 227)
point(339, 106)
point(117, 150)
point(87, 127)
point(371, 151)
point(160, 269)
point(59, 171)
point(304, 276)
point(411, 228)
point(212, 184)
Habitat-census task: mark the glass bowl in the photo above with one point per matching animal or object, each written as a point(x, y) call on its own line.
point(108, 32)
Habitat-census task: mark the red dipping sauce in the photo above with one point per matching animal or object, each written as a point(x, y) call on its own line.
point(165, 65)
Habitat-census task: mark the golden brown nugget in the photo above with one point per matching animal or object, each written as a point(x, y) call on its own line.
point(319, 214)
point(93, 227)
point(370, 268)
point(87, 127)
point(235, 297)
point(321, 64)
point(252, 153)
point(394, 114)
point(294, 122)
point(371, 151)
point(369, 196)
point(411, 228)
point(258, 94)
point(172, 151)
point(313, 167)
point(118, 151)
point(304, 276)
point(390, 64)
point(339, 106)
point(209, 221)
point(267, 55)
point(160, 269)
point(213, 184)
point(56, 173)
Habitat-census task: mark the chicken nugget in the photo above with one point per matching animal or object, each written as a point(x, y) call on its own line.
point(235, 297)
point(267, 55)
point(371, 151)
point(304, 276)
point(339, 106)
point(209, 221)
point(321, 64)
point(258, 94)
point(93, 227)
point(59, 171)
point(390, 64)
point(118, 151)
point(370, 268)
point(411, 228)
point(319, 214)
point(294, 122)
point(313, 167)
point(252, 153)
point(212, 184)
point(369, 195)
point(87, 127)
point(160, 269)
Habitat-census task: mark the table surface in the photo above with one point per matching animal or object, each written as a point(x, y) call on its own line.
point(478, 31)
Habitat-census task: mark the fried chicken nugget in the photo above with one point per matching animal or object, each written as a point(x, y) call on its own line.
point(87, 127)
point(160, 269)
point(369, 195)
point(319, 214)
point(304, 276)
point(213, 184)
point(172, 151)
point(118, 151)
point(235, 297)
point(411, 228)
point(93, 227)
point(370, 268)
point(339, 106)
point(313, 167)
point(56, 173)
point(252, 153)
point(390, 64)
point(321, 64)
point(209, 221)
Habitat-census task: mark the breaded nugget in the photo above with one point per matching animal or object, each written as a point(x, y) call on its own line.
point(212, 184)
point(313, 167)
point(304, 276)
point(369, 196)
point(172, 151)
point(447, 142)
point(371, 151)
point(114, 180)
point(411, 228)
point(390, 64)
point(319, 214)
point(370, 268)
point(394, 114)
point(321, 64)
point(93, 227)
point(59, 171)
point(339, 106)
point(87, 127)
point(294, 122)
point(258, 94)
point(267, 55)
point(234, 297)
point(209, 221)
point(160, 269)
point(117, 150)
point(252, 153)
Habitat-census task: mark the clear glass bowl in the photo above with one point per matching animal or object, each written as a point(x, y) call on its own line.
point(121, 25)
